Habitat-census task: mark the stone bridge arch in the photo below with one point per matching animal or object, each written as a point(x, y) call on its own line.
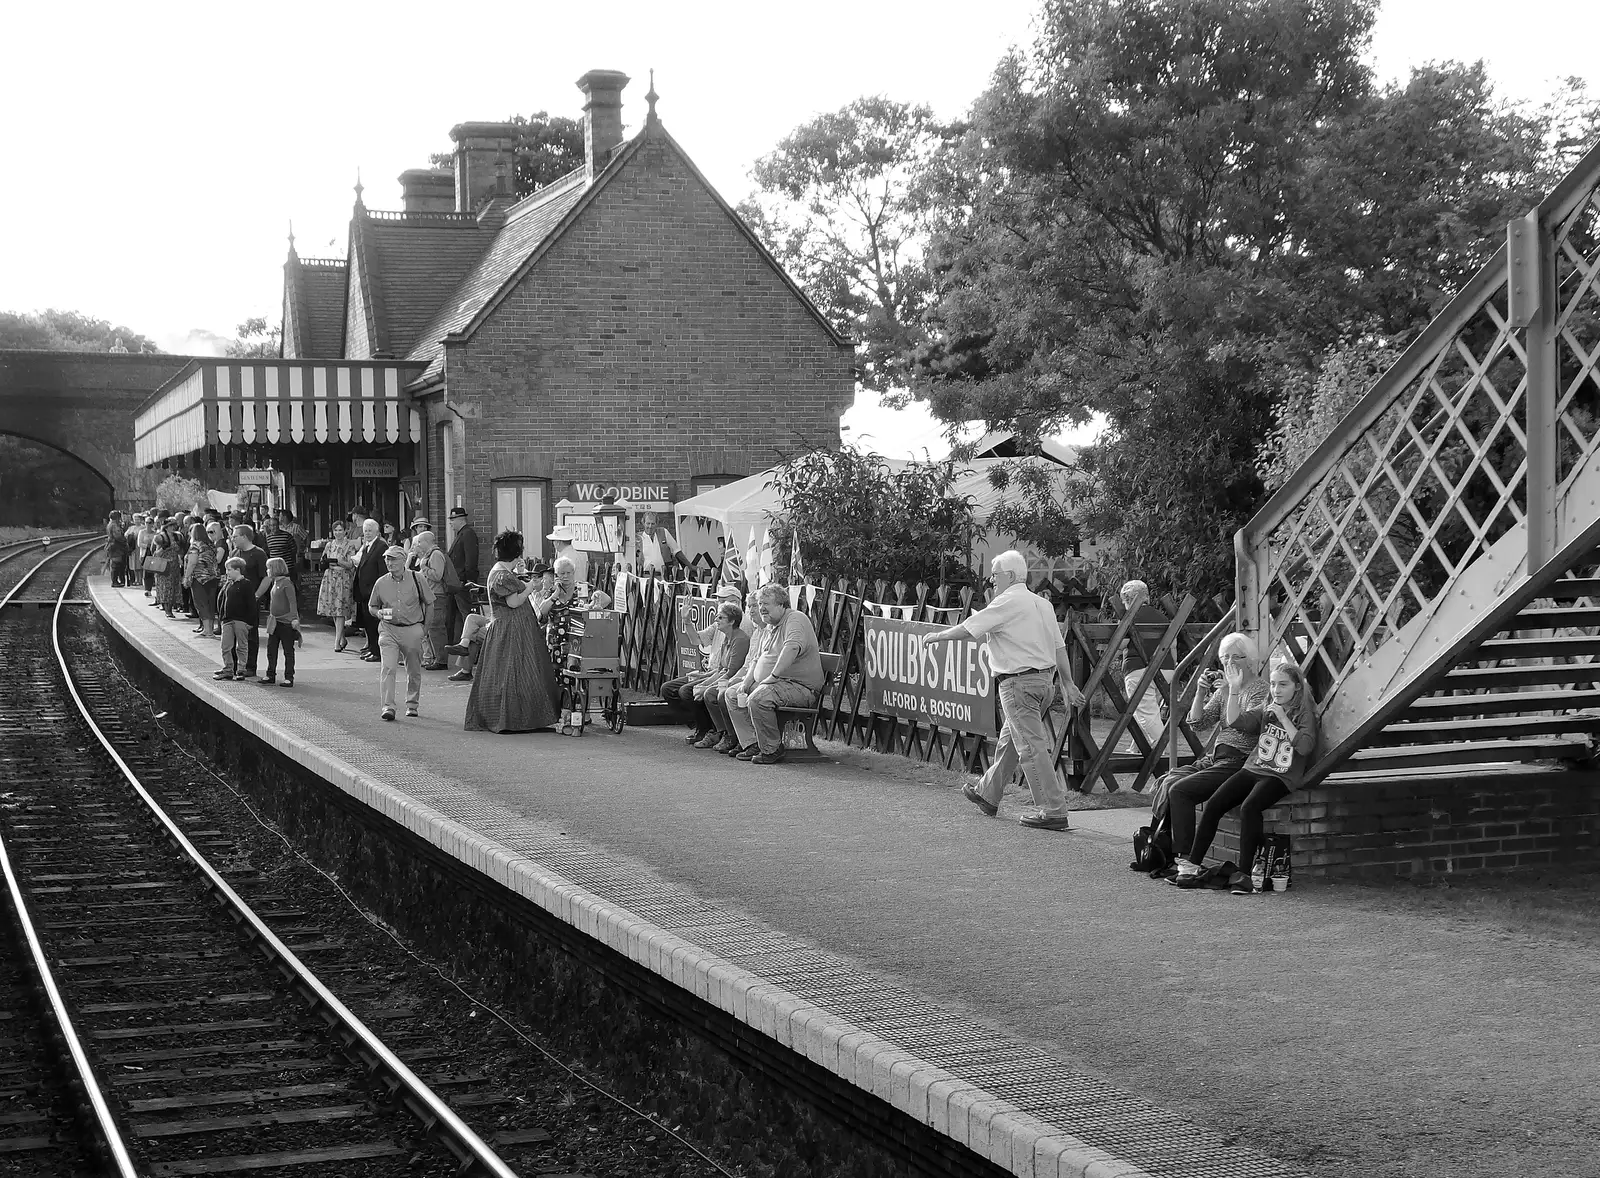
point(83, 404)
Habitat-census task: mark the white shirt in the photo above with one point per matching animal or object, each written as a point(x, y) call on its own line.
point(1022, 631)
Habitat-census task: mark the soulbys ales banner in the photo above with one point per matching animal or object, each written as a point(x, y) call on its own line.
point(950, 684)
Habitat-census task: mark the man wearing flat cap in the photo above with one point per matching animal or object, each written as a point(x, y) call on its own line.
point(464, 555)
point(400, 603)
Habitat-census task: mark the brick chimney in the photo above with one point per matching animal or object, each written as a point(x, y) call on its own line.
point(602, 116)
point(484, 152)
point(428, 190)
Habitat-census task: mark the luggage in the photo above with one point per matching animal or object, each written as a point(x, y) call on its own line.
point(594, 641)
point(1152, 847)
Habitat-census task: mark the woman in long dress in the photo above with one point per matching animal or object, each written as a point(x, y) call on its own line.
point(514, 685)
point(335, 598)
point(169, 582)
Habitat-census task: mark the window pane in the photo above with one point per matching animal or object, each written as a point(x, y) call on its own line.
point(533, 520)
point(505, 508)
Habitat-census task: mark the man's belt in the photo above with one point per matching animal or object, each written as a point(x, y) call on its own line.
point(1001, 678)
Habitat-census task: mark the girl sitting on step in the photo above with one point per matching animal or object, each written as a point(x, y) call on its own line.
point(1286, 742)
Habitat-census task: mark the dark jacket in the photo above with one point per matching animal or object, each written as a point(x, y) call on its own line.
point(464, 553)
point(236, 602)
point(369, 567)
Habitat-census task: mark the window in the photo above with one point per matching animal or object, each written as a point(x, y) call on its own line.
point(700, 484)
point(521, 506)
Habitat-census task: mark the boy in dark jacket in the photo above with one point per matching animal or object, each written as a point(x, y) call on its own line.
point(236, 614)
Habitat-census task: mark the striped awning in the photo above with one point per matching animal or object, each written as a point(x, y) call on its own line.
point(272, 402)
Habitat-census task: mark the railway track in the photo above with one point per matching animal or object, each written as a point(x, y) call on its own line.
point(158, 1016)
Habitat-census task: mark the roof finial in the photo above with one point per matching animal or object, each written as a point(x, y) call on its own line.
point(291, 235)
point(650, 97)
point(358, 186)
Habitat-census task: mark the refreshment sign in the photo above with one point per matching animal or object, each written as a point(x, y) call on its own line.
point(374, 468)
point(694, 615)
point(950, 685)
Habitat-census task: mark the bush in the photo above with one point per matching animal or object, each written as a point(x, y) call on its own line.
point(177, 493)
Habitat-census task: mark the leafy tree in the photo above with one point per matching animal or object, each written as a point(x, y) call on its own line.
point(256, 340)
point(857, 517)
point(177, 493)
point(1312, 403)
point(842, 203)
point(547, 148)
point(67, 331)
point(1168, 210)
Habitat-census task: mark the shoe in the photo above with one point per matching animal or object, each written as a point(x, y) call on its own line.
point(749, 753)
point(222, 674)
point(199, 630)
point(388, 713)
point(287, 683)
point(970, 792)
point(412, 713)
point(1243, 886)
point(768, 758)
point(435, 666)
point(461, 677)
point(1197, 880)
point(371, 658)
point(726, 745)
point(695, 737)
point(457, 648)
point(709, 741)
point(338, 647)
point(241, 677)
point(1041, 821)
point(267, 680)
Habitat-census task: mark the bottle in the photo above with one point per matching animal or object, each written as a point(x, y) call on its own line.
point(1258, 870)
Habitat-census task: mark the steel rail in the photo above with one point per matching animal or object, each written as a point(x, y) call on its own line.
point(115, 1147)
point(424, 1104)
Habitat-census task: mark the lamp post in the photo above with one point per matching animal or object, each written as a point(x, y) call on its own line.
point(610, 519)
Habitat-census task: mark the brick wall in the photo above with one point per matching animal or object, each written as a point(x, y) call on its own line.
point(1443, 826)
point(651, 342)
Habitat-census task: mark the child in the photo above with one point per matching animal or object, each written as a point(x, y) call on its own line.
point(1287, 740)
point(236, 611)
point(283, 622)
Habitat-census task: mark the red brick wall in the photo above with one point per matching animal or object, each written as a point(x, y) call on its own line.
point(1441, 827)
point(652, 342)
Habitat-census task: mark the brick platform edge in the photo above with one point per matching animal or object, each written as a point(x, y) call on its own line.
point(1518, 818)
point(997, 1131)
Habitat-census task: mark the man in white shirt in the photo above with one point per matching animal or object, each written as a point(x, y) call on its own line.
point(1026, 653)
point(400, 601)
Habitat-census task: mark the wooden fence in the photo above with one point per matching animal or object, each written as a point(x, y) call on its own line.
point(1183, 647)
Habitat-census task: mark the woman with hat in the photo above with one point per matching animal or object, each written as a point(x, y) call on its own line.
point(169, 580)
point(564, 537)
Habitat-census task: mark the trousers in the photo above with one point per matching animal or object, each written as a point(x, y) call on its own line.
point(234, 637)
point(679, 694)
point(1254, 793)
point(765, 701)
point(1025, 741)
point(394, 644)
point(1190, 791)
point(282, 638)
point(434, 640)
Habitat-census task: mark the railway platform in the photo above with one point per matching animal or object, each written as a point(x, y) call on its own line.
point(1021, 992)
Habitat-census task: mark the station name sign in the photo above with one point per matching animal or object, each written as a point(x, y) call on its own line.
point(951, 685)
point(624, 492)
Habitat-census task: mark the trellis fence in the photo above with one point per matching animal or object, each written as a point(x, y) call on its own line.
point(838, 611)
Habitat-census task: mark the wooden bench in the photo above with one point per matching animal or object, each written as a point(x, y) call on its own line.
point(796, 726)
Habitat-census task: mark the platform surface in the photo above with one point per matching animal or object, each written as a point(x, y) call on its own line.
point(1022, 991)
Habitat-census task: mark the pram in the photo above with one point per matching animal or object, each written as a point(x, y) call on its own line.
point(591, 665)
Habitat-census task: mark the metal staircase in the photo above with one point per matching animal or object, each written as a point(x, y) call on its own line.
point(1433, 566)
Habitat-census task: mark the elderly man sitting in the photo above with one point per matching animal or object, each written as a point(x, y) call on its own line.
point(786, 674)
point(679, 693)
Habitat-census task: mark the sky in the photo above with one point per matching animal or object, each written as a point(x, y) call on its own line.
point(160, 151)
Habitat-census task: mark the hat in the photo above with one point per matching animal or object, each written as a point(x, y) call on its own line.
point(562, 532)
point(730, 593)
point(458, 513)
point(393, 550)
point(540, 568)
point(421, 522)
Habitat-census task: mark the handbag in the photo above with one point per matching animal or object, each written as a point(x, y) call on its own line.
point(155, 564)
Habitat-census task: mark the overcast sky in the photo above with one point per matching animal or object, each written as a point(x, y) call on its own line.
point(158, 151)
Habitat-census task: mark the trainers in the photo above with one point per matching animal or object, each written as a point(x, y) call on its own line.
point(768, 758)
point(412, 713)
point(709, 741)
point(726, 745)
point(970, 792)
point(695, 737)
point(241, 677)
point(387, 713)
point(287, 683)
point(222, 674)
point(748, 753)
point(1242, 886)
point(1039, 820)
point(267, 679)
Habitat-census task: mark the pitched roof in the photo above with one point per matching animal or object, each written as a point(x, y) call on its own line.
point(409, 263)
point(529, 223)
point(314, 312)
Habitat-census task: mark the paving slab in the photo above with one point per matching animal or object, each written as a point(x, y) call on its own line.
point(1022, 991)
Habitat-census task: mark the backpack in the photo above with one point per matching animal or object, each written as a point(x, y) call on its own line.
point(1152, 847)
point(452, 582)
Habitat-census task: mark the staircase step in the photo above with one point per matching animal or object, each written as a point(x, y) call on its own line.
point(1484, 752)
point(1431, 731)
point(1574, 588)
point(1439, 707)
point(1549, 619)
point(1503, 677)
point(1536, 648)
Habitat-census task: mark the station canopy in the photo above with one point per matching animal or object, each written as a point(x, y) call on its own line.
point(276, 402)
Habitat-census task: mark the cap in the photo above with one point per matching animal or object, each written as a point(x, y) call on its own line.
point(394, 550)
point(730, 593)
point(458, 513)
point(421, 522)
point(563, 532)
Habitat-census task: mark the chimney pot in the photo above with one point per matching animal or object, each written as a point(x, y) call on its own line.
point(479, 148)
point(602, 116)
point(428, 190)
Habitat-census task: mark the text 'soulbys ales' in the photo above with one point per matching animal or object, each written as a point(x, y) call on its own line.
point(951, 685)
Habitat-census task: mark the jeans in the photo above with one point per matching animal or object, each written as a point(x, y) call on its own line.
point(433, 631)
point(765, 701)
point(396, 643)
point(1191, 790)
point(234, 637)
point(1025, 741)
point(1253, 793)
point(282, 638)
point(716, 715)
point(679, 696)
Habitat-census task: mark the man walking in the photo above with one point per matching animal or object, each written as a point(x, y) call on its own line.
point(369, 567)
point(1026, 652)
point(400, 601)
point(464, 555)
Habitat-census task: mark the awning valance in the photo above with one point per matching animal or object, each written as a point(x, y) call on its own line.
point(273, 402)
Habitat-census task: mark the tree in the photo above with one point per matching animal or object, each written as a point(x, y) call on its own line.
point(841, 202)
point(1168, 210)
point(257, 340)
point(547, 148)
point(176, 493)
point(67, 331)
point(856, 517)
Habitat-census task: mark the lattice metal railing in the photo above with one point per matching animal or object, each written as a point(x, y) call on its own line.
point(1448, 486)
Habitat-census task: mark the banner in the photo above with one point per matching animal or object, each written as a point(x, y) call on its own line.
point(694, 615)
point(950, 685)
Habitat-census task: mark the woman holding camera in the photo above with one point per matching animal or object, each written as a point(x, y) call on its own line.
point(1239, 680)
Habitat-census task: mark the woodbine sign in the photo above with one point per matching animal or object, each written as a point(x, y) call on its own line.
point(950, 685)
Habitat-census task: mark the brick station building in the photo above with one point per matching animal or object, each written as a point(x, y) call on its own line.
point(619, 328)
